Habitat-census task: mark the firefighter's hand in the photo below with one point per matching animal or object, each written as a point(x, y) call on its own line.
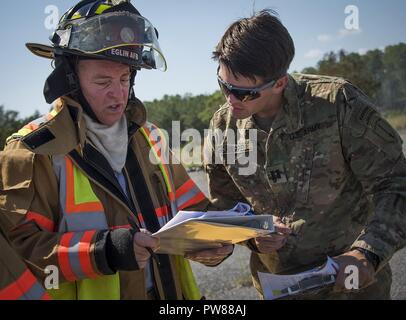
point(275, 241)
point(142, 240)
point(364, 268)
point(211, 257)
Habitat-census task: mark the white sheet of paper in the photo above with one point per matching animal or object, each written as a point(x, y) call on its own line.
point(191, 231)
point(241, 209)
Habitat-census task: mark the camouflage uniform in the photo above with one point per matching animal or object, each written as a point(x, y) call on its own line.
point(330, 167)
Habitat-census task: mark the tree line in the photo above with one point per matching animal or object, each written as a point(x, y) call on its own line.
point(380, 74)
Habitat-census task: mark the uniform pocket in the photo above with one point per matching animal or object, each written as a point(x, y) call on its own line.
point(16, 175)
point(304, 172)
point(16, 169)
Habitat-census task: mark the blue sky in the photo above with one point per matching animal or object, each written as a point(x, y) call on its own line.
point(189, 30)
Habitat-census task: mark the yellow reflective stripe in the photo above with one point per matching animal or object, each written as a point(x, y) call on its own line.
point(19, 134)
point(53, 113)
point(82, 189)
point(77, 15)
point(99, 10)
point(102, 288)
point(23, 131)
point(27, 129)
point(102, 8)
point(188, 283)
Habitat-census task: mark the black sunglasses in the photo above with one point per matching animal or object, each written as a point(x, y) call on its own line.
point(243, 94)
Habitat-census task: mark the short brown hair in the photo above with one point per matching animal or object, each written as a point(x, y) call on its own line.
point(258, 46)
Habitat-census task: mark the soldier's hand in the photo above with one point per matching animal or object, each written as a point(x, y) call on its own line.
point(211, 257)
point(273, 242)
point(366, 271)
point(141, 241)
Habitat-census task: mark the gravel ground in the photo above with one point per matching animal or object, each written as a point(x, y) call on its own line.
point(232, 280)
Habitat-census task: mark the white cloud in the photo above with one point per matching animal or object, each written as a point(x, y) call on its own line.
point(362, 51)
point(324, 37)
point(314, 54)
point(342, 33)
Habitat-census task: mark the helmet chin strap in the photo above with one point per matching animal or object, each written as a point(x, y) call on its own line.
point(131, 94)
point(79, 97)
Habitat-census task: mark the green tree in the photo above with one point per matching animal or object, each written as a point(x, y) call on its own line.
point(394, 87)
point(10, 123)
point(192, 111)
point(380, 74)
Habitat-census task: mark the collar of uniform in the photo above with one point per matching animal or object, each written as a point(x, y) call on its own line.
point(59, 135)
point(75, 112)
point(135, 113)
point(290, 117)
point(291, 112)
point(67, 130)
point(250, 124)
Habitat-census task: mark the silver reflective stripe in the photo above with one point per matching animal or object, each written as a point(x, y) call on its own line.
point(83, 221)
point(174, 208)
point(75, 222)
point(39, 121)
point(187, 196)
point(36, 292)
point(73, 253)
point(163, 220)
point(143, 225)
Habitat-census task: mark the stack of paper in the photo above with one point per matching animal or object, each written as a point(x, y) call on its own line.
point(191, 231)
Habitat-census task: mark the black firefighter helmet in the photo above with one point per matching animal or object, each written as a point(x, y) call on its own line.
point(98, 29)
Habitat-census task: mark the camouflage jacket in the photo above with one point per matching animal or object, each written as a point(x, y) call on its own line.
point(331, 167)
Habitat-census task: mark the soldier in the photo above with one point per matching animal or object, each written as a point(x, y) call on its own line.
point(327, 165)
point(78, 186)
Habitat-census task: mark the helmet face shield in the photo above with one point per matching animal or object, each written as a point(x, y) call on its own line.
point(121, 36)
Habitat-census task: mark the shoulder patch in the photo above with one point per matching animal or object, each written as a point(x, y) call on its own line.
point(299, 77)
point(38, 138)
